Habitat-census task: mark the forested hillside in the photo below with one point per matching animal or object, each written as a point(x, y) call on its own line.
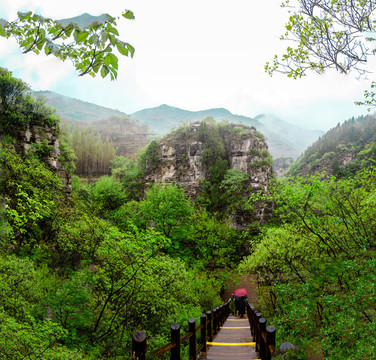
point(80, 272)
point(342, 151)
point(105, 229)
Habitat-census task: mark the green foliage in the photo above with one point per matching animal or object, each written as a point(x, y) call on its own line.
point(127, 171)
point(70, 307)
point(342, 151)
point(90, 49)
point(167, 208)
point(330, 34)
point(32, 193)
point(107, 194)
point(18, 108)
point(215, 243)
point(78, 240)
point(92, 155)
point(67, 156)
point(235, 187)
point(34, 341)
point(213, 146)
point(316, 266)
point(152, 155)
point(78, 275)
point(42, 150)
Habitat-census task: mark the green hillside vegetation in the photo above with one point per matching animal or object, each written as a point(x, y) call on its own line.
point(92, 155)
point(342, 151)
point(315, 263)
point(79, 274)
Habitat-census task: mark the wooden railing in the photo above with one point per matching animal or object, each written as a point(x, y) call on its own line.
point(210, 324)
point(263, 336)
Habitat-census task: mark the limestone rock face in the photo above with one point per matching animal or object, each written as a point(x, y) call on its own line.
point(281, 165)
point(37, 134)
point(180, 162)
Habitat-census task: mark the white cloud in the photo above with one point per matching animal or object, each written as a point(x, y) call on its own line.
point(193, 54)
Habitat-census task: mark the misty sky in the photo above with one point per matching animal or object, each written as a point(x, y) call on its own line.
point(192, 54)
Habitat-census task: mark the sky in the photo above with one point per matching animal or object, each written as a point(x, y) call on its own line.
point(191, 54)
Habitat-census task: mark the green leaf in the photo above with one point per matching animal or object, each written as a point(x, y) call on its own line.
point(111, 59)
point(68, 31)
point(112, 39)
point(81, 36)
point(104, 71)
point(96, 67)
point(130, 48)
point(111, 29)
point(128, 14)
point(2, 31)
point(40, 44)
point(93, 39)
point(24, 16)
point(122, 50)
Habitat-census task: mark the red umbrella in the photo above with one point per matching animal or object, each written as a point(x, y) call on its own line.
point(241, 292)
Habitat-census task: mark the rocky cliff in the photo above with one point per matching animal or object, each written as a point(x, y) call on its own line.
point(180, 160)
point(281, 165)
point(45, 137)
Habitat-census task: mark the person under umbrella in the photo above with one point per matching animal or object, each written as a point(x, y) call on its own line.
point(240, 295)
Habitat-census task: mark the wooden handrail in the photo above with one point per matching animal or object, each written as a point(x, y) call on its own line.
point(263, 335)
point(210, 324)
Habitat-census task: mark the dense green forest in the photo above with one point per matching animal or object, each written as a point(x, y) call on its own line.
point(80, 273)
point(342, 151)
point(93, 155)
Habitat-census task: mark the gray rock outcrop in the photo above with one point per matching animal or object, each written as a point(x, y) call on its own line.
point(180, 162)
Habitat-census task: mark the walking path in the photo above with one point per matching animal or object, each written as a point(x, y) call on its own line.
point(234, 341)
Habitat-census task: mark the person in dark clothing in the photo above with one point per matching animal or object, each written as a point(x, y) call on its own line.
point(241, 305)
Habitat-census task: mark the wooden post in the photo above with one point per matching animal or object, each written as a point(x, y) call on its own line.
point(209, 329)
point(192, 339)
point(221, 317)
point(175, 338)
point(215, 319)
point(253, 329)
point(270, 342)
point(218, 318)
point(257, 330)
point(203, 332)
point(138, 345)
point(262, 347)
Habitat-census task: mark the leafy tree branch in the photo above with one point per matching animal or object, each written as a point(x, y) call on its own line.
point(90, 49)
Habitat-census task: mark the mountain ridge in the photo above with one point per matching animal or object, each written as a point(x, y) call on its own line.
point(284, 139)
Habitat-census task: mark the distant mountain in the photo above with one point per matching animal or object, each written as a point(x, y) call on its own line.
point(83, 20)
point(74, 110)
point(342, 151)
point(284, 140)
point(128, 135)
point(164, 118)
